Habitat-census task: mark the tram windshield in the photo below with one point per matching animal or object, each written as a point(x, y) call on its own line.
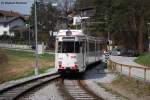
point(68, 47)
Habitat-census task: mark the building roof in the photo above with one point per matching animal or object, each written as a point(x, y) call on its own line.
point(7, 21)
point(10, 16)
point(9, 13)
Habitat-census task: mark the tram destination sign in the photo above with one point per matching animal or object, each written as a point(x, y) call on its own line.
point(68, 38)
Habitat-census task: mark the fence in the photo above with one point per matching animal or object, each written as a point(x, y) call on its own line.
point(5, 45)
point(130, 70)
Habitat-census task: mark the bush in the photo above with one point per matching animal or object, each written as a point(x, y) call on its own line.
point(144, 59)
point(3, 57)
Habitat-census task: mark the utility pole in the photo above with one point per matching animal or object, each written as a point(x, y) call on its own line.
point(36, 71)
point(29, 33)
point(148, 36)
point(108, 38)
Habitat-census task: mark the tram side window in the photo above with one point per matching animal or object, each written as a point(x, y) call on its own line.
point(59, 47)
point(77, 47)
point(82, 45)
point(91, 47)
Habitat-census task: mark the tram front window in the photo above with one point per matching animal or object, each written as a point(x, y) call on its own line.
point(68, 47)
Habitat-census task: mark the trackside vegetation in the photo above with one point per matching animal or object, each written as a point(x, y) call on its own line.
point(144, 59)
point(129, 88)
point(18, 64)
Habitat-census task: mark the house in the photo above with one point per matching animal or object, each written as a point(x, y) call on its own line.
point(11, 22)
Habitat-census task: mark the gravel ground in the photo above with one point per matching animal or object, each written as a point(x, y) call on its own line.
point(99, 75)
point(49, 92)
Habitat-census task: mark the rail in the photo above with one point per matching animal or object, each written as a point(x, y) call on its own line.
point(130, 70)
point(17, 90)
point(76, 89)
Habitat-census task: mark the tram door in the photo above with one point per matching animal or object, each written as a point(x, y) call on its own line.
point(84, 54)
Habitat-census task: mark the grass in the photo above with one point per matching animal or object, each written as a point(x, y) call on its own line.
point(131, 85)
point(19, 64)
point(129, 88)
point(3, 57)
point(144, 59)
point(30, 55)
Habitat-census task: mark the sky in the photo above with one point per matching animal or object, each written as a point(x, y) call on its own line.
point(21, 6)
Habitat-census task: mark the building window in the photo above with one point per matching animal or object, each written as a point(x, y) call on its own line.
point(5, 32)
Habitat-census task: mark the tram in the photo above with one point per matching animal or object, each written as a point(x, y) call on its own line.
point(75, 50)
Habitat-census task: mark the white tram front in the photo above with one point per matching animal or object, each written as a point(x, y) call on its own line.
point(74, 51)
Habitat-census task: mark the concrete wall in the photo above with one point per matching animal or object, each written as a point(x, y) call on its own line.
point(4, 45)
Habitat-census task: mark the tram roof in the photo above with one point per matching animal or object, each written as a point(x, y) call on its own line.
point(79, 33)
point(72, 33)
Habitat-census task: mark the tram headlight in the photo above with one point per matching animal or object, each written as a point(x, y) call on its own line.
point(76, 65)
point(60, 63)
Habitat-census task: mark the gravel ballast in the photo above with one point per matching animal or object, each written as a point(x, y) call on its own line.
point(99, 75)
point(49, 92)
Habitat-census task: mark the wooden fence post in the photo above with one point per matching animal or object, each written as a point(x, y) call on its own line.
point(121, 67)
point(144, 74)
point(129, 71)
point(110, 63)
point(115, 66)
point(112, 66)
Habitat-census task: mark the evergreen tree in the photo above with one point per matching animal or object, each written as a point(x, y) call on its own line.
point(126, 20)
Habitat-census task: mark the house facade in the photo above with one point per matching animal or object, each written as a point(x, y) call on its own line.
point(4, 30)
point(10, 22)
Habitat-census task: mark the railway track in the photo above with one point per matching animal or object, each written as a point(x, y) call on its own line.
point(77, 90)
point(14, 92)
